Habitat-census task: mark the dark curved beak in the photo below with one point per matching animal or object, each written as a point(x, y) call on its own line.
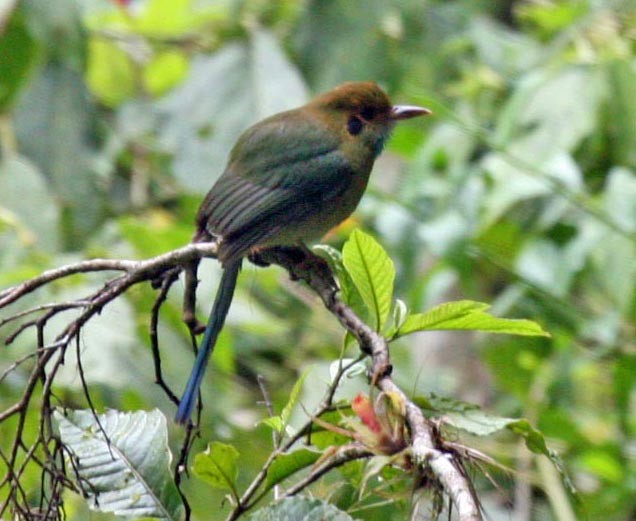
point(399, 112)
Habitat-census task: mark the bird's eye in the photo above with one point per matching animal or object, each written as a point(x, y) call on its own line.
point(367, 113)
point(354, 125)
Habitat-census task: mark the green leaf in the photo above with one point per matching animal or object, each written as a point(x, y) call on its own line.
point(279, 423)
point(293, 399)
point(477, 422)
point(373, 468)
point(67, 153)
point(110, 74)
point(622, 111)
point(165, 71)
point(613, 251)
point(348, 291)
point(123, 463)
point(287, 464)
point(299, 508)
point(36, 217)
point(372, 272)
point(155, 232)
point(201, 129)
point(217, 466)
point(467, 315)
point(19, 52)
point(400, 313)
point(480, 423)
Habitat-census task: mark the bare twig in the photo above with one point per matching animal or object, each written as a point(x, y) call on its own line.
point(48, 358)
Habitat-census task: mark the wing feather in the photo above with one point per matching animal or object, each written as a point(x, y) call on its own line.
point(281, 172)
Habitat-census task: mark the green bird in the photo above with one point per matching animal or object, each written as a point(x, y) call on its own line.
point(290, 178)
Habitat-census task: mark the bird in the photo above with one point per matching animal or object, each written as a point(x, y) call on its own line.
point(289, 179)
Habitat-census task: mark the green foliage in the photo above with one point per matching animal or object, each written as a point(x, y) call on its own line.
point(299, 508)
point(519, 192)
point(217, 466)
point(287, 465)
point(466, 315)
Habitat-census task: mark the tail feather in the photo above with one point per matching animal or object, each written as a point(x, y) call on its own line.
point(215, 324)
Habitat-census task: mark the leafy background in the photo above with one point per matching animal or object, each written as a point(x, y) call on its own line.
point(116, 117)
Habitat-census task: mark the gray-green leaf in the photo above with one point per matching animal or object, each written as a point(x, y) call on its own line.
point(299, 508)
point(124, 465)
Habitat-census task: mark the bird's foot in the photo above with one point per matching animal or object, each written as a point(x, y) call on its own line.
point(300, 262)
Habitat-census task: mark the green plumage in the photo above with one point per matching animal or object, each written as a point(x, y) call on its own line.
point(281, 172)
point(289, 179)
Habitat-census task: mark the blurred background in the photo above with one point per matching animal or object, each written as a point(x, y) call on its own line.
point(116, 117)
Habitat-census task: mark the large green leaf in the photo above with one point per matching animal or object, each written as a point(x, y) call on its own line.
point(480, 423)
point(122, 462)
point(372, 272)
point(300, 509)
point(467, 315)
point(57, 101)
point(217, 466)
point(249, 80)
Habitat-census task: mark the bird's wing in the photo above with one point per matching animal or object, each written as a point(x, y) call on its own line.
point(281, 172)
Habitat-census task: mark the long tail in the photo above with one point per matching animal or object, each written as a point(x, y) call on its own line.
point(215, 324)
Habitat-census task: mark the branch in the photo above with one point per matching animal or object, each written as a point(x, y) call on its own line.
point(161, 271)
point(134, 271)
point(428, 451)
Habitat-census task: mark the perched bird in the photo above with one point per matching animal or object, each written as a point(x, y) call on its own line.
point(290, 178)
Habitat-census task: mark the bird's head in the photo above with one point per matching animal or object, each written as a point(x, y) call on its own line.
point(363, 114)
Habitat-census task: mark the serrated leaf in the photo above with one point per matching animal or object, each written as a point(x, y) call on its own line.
point(300, 508)
point(477, 422)
point(287, 464)
point(217, 466)
point(467, 315)
point(480, 423)
point(123, 462)
point(372, 272)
